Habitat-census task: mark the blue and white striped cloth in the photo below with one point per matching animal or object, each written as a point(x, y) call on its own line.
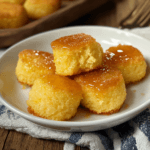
point(131, 135)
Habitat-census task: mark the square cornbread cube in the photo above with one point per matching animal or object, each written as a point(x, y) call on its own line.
point(129, 60)
point(12, 15)
point(33, 64)
point(104, 90)
point(54, 97)
point(39, 8)
point(76, 53)
point(13, 1)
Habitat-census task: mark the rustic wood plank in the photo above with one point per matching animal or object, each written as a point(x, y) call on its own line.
point(78, 148)
point(53, 145)
point(13, 141)
point(31, 143)
point(3, 137)
point(21, 141)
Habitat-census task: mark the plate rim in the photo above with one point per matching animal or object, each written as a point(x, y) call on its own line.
point(72, 123)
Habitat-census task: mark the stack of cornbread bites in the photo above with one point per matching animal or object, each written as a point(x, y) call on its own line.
point(17, 13)
point(78, 72)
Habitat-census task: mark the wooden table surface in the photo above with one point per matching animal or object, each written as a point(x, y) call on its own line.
point(109, 14)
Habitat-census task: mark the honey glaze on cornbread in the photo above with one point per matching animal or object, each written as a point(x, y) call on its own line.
point(54, 97)
point(129, 60)
point(64, 85)
point(83, 112)
point(122, 54)
point(100, 79)
point(103, 89)
point(73, 42)
point(37, 59)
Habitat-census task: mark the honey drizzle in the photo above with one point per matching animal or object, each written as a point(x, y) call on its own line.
point(100, 79)
point(121, 54)
point(62, 83)
point(39, 59)
point(126, 106)
point(72, 42)
point(83, 112)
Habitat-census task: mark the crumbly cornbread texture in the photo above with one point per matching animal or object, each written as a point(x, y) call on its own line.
point(54, 97)
point(39, 8)
point(129, 60)
point(12, 15)
point(14, 1)
point(76, 53)
point(103, 89)
point(33, 64)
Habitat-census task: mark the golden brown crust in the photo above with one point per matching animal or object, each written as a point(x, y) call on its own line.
point(22, 83)
point(76, 53)
point(31, 111)
point(129, 60)
point(101, 113)
point(39, 59)
point(62, 83)
point(122, 54)
point(103, 90)
point(73, 42)
point(54, 97)
point(33, 64)
point(100, 79)
point(135, 82)
point(106, 113)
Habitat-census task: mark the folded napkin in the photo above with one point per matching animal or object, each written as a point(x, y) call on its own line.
point(131, 135)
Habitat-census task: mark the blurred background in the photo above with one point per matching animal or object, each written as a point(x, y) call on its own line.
point(118, 13)
point(113, 13)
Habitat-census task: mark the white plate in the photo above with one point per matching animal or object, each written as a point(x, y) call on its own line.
point(14, 97)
